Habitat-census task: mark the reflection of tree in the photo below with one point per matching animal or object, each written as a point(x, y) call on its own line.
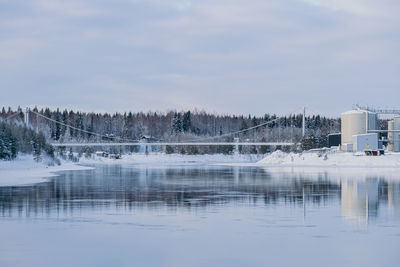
point(116, 187)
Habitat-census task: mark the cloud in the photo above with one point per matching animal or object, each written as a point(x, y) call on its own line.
point(358, 7)
point(79, 8)
point(229, 56)
point(183, 5)
point(12, 50)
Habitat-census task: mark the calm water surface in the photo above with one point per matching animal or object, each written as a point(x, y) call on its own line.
point(201, 216)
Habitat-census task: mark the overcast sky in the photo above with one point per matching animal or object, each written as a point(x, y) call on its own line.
point(225, 56)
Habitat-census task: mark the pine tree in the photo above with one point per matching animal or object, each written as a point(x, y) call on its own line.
point(309, 141)
point(65, 121)
point(186, 123)
point(57, 126)
point(177, 123)
point(37, 150)
point(243, 125)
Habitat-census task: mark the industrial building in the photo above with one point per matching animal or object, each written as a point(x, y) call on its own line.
point(356, 122)
point(360, 131)
point(334, 139)
point(356, 126)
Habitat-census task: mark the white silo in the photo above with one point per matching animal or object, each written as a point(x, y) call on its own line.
point(396, 135)
point(390, 135)
point(355, 122)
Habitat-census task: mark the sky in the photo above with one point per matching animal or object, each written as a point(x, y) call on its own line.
point(224, 56)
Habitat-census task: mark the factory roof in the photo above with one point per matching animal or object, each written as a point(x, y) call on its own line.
point(357, 111)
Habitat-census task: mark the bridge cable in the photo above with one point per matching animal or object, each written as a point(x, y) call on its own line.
point(237, 132)
point(131, 140)
point(241, 131)
point(11, 116)
point(84, 131)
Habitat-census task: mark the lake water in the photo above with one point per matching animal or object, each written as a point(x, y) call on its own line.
point(202, 216)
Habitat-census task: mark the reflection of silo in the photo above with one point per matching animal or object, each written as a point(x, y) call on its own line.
point(394, 196)
point(356, 122)
point(359, 199)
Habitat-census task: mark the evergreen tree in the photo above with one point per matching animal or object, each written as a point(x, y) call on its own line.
point(57, 126)
point(309, 141)
point(177, 123)
point(186, 123)
point(243, 125)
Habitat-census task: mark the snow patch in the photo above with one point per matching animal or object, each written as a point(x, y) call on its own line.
point(24, 170)
point(330, 159)
point(162, 158)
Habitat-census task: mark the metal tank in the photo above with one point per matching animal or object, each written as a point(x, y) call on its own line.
point(396, 135)
point(353, 122)
point(372, 120)
point(390, 136)
point(356, 122)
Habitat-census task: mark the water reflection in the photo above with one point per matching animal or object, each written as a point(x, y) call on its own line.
point(360, 199)
point(394, 196)
point(117, 187)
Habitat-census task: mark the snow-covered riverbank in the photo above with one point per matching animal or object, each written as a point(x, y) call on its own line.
point(330, 159)
point(173, 159)
point(25, 171)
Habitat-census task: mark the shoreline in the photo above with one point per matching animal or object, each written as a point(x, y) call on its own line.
point(24, 171)
point(330, 159)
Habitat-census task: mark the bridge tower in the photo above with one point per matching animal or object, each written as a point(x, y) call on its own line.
point(304, 121)
point(27, 116)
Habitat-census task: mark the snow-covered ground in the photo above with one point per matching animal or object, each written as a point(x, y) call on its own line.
point(173, 159)
point(25, 171)
point(330, 159)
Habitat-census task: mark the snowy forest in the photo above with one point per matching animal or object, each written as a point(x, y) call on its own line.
point(52, 126)
point(16, 138)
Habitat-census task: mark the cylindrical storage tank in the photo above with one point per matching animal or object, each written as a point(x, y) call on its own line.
point(390, 136)
point(396, 135)
point(353, 122)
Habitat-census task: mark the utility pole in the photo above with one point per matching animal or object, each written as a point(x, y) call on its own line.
point(304, 121)
point(27, 117)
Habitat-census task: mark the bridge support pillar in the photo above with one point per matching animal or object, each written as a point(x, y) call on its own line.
point(27, 116)
point(304, 122)
point(236, 146)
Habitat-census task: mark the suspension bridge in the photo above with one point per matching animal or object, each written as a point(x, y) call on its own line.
point(120, 141)
point(175, 144)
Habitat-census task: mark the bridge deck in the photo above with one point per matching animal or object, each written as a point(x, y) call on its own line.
point(176, 144)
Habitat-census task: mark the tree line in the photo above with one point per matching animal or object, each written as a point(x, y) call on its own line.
point(175, 126)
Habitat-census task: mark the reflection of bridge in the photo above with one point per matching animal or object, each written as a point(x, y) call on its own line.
point(175, 144)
